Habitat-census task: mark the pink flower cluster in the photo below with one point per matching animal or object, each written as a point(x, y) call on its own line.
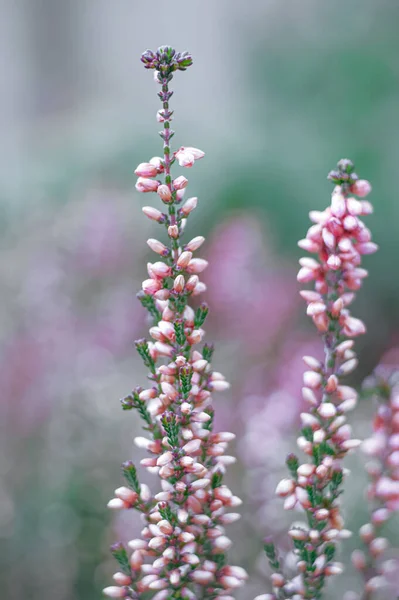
point(339, 238)
point(383, 492)
point(181, 551)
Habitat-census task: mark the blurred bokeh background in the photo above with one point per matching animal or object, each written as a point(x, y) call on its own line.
point(279, 91)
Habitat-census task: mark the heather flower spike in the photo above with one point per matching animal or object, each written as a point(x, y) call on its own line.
point(382, 449)
point(182, 549)
point(339, 239)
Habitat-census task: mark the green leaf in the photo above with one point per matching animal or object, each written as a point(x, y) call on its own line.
point(118, 551)
point(130, 474)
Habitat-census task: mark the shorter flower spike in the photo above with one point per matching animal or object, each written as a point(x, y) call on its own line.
point(339, 238)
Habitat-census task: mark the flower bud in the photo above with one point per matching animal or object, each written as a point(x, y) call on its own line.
point(173, 231)
point(121, 578)
point(327, 410)
point(180, 183)
point(114, 592)
point(117, 504)
point(164, 193)
point(195, 243)
point(157, 246)
point(146, 170)
point(189, 206)
point(361, 188)
point(184, 259)
point(156, 161)
point(161, 269)
point(152, 213)
point(184, 157)
point(146, 185)
point(312, 379)
point(285, 487)
point(178, 284)
point(197, 265)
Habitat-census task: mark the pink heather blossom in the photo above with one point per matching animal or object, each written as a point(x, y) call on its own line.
point(146, 170)
point(150, 286)
point(184, 259)
point(179, 548)
point(158, 247)
point(161, 270)
point(114, 592)
point(186, 156)
point(173, 231)
point(195, 243)
point(180, 182)
point(152, 213)
point(189, 206)
point(197, 265)
point(164, 193)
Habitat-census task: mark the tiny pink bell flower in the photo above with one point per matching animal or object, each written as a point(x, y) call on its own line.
point(152, 213)
point(164, 193)
point(186, 156)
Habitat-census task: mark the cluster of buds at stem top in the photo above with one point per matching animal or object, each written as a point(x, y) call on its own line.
point(382, 449)
point(339, 238)
point(182, 549)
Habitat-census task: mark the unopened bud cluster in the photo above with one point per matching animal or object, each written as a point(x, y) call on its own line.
point(182, 549)
point(339, 238)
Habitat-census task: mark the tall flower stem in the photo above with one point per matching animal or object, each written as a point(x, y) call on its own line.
point(181, 554)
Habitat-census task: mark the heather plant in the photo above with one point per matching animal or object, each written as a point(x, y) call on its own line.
point(339, 238)
point(181, 552)
point(182, 549)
